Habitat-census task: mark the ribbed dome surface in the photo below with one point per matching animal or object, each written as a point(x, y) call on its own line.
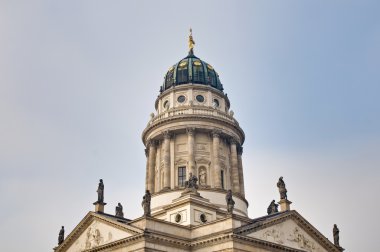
point(191, 70)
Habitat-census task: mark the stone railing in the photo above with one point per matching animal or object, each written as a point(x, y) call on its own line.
point(193, 110)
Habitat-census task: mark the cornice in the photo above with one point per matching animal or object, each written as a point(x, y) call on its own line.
point(192, 117)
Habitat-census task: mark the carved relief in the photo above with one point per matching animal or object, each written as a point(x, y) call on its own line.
point(95, 238)
point(288, 233)
point(274, 235)
point(202, 147)
point(302, 241)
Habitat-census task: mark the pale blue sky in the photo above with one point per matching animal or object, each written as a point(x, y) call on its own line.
point(78, 80)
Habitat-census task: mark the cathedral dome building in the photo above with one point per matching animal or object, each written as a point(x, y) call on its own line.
point(194, 132)
point(195, 198)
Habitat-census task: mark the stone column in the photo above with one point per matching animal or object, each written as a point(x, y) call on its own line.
point(152, 165)
point(215, 145)
point(166, 158)
point(240, 166)
point(234, 163)
point(191, 157)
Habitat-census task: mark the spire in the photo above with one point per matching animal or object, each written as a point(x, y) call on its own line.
point(191, 43)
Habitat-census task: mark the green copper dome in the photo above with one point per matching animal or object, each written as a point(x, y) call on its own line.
point(191, 70)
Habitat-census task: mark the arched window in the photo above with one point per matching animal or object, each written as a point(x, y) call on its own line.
point(182, 72)
point(198, 74)
point(181, 176)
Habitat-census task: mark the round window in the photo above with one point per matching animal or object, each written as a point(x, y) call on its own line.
point(181, 99)
point(178, 218)
point(200, 98)
point(215, 103)
point(203, 218)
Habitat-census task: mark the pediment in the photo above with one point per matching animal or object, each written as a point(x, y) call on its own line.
point(96, 230)
point(290, 230)
point(289, 233)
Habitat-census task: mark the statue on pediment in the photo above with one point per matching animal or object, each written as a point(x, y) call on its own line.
point(336, 235)
point(61, 236)
point(272, 208)
point(282, 188)
point(192, 182)
point(119, 211)
point(100, 191)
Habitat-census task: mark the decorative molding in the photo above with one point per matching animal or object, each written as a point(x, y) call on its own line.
point(166, 134)
point(190, 131)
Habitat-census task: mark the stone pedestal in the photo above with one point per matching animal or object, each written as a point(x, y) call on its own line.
point(99, 206)
point(284, 205)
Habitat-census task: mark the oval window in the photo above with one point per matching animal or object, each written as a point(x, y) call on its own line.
point(203, 218)
point(178, 218)
point(181, 99)
point(200, 98)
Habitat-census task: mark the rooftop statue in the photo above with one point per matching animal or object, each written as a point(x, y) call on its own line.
point(146, 203)
point(191, 42)
point(61, 236)
point(192, 182)
point(282, 188)
point(336, 235)
point(230, 202)
point(100, 191)
point(272, 208)
point(119, 211)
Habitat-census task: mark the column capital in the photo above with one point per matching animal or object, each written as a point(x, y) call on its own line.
point(216, 133)
point(166, 134)
point(240, 150)
point(150, 143)
point(190, 131)
point(233, 140)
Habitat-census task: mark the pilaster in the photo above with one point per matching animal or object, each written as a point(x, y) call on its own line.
point(215, 145)
point(234, 164)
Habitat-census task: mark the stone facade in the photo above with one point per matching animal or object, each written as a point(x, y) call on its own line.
point(194, 133)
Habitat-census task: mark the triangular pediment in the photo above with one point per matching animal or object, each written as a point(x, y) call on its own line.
point(96, 230)
point(288, 229)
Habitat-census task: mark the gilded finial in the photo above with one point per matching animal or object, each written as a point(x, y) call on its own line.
point(191, 43)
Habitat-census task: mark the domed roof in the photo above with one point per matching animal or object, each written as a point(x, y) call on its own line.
point(191, 70)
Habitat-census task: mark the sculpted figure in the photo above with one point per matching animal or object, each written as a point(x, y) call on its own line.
point(61, 236)
point(119, 211)
point(192, 182)
point(230, 202)
point(202, 177)
point(272, 208)
point(100, 191)
point(146, 203)
point(282, 188)
point(336, 235)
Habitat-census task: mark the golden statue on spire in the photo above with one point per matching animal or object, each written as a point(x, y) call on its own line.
point(191, 42)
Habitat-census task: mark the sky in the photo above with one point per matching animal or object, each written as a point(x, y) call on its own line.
point(78, 80)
